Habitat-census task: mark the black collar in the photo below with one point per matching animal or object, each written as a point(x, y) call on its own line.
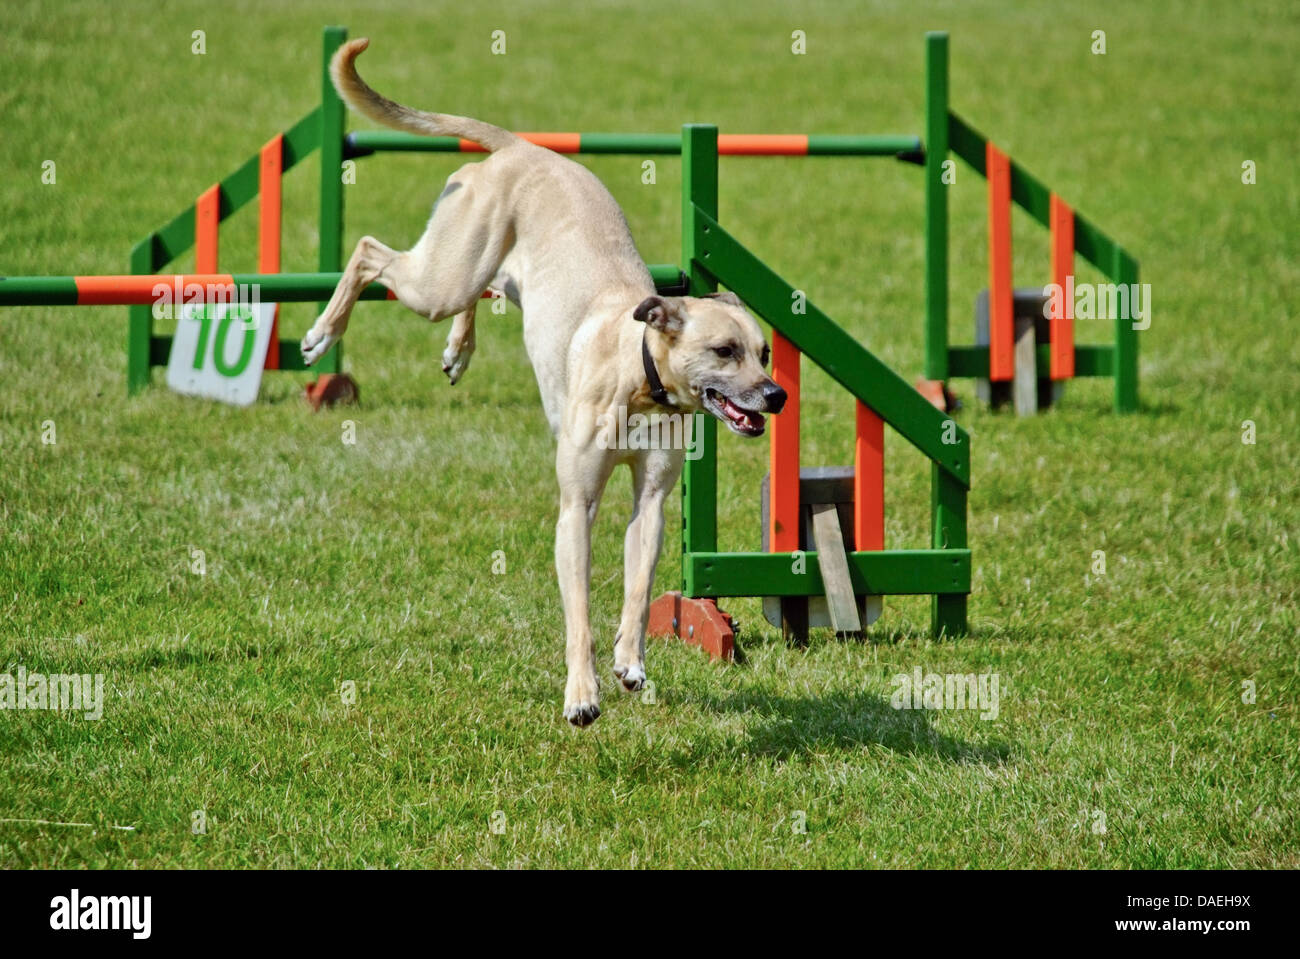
point(657, 391)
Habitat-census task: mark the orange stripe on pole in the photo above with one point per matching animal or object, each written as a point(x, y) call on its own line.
point(783, 451)
point(117, 290)
point(559, 142)
point(268, 230)
point(1061, 218)
point(762, 144)
point(869, 480)
point(1002, 336)
point(207, 217)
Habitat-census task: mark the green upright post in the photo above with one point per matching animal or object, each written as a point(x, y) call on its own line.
point(700, 476)
point(936, 206)
point(948, 531)
point(139, 324)
point(1125, 273)
point(332, 114)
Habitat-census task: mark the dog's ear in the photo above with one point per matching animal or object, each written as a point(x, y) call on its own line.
point(726, 297)
point(664, 315)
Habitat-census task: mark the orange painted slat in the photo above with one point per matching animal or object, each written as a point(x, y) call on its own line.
point(121, 290)
point(1061, 219)
point(207, 218)
point(869, 480)
point(729, 144)
point(762, 144)
point(783, 451)
point(559, 142)
point(268, 230)
point(1002, 334)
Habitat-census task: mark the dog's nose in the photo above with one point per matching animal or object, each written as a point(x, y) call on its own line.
point(774, 396)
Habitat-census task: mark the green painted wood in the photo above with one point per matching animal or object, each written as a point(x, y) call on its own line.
point(633, 143)
point(332, 126)
point(948, 534)
point(822, 144)
point(139, 322)
point(967, 143)
point(159, 349)
point(1126, 341)
point(237, 190)
point(833, 349)
point(291, 356)
point(876, 573)
point(174, 239)
point(366, 142)
point(936, 206)
point(973, 361)
point(1031, 195)
point(1028, 193)
point(271, 287)
point(40, 290)
point(1095, 247)
point(699, 475)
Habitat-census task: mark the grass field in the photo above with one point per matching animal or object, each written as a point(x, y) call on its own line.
point(1125, 737)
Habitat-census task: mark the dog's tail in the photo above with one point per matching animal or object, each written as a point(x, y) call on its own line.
point(358, 95)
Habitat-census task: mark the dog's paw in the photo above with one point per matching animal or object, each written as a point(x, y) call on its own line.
point(315, 345)
point(456, 361)
point(582, 714)
point(632, 677)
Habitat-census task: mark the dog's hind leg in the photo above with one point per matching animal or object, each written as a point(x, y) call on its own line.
point(367, 263)
point(460, 346)
point(443, 275)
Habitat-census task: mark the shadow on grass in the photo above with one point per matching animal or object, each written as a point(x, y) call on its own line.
point(183, 656)
point(790, 725)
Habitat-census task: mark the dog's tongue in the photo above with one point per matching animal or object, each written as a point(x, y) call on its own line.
point(744, 418)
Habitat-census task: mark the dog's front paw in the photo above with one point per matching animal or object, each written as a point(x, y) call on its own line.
point(632, 677)
point(315, 345)
point(582, 714)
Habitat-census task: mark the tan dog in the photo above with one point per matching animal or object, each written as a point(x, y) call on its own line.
point(545, 231)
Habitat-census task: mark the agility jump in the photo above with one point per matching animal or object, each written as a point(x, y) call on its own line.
point(846, 566)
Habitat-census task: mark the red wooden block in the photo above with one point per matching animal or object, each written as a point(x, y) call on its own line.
point(332, 389)
point(698, 621)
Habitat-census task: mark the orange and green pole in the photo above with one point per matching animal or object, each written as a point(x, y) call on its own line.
point(365, 142)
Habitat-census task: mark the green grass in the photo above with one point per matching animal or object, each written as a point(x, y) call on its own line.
point(372, 563)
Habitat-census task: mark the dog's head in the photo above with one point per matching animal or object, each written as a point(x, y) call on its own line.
point(716, 358)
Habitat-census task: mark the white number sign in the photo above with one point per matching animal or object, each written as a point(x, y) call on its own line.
point(219, 350)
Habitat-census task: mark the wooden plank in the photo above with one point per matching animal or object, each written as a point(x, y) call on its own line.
point(1062, 339)
point(268, 229)
point(885, 572)
point(1001, 292)
point(1024, 389)
point(869, 480)
point(783, 450)
point(207, 216)
point(833, 348)
point(840, 601)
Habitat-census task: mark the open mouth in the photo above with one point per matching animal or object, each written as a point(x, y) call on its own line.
point(740, 420)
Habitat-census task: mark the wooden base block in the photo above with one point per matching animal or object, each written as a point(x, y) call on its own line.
point(698, 621)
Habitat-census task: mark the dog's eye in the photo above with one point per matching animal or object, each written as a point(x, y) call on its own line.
point(724, 352)
point(765, 356)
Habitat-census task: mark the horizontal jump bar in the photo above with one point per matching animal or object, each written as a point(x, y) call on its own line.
point(872, 573)
point(365, 142)
point(271, 287)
